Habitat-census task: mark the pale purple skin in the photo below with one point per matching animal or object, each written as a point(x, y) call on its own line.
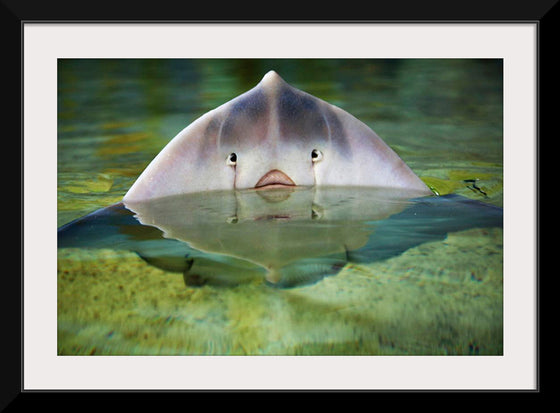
point(280, 136)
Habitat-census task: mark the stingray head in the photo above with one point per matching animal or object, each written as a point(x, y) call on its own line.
point(273, 135)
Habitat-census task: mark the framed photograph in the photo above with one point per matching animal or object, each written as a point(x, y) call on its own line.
point(454, 310)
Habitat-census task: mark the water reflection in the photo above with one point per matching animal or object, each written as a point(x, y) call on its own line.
point(292, 236)
point(286, 237)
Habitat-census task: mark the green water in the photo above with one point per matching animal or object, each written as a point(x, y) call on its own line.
point(443, 117)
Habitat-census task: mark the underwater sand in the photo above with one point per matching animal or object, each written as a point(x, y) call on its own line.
point(435, 299)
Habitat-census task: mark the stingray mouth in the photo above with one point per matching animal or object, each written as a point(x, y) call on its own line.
point(275, 179)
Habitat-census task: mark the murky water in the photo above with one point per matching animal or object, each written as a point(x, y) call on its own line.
point(444, 296)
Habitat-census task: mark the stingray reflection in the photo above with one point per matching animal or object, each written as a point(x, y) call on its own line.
point(287, 237)
point(291, 235)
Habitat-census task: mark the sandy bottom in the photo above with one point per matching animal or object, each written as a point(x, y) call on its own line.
point(438, 298)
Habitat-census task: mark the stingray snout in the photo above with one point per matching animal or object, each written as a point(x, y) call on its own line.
point(274, 178)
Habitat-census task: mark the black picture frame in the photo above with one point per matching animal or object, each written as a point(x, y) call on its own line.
point(15, 14)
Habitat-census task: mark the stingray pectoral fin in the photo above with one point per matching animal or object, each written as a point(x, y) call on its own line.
point(357, 156)
point(427, 219)
point(220, 270)
point(168, 263)
point(190, 162)
point(110, 227)
point(305, 271)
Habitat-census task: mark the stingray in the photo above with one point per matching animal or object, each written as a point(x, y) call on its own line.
point(279, 186)
point(273, 135)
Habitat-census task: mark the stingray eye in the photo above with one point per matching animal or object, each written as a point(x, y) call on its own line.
point(232, 159)
point(316, 155)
